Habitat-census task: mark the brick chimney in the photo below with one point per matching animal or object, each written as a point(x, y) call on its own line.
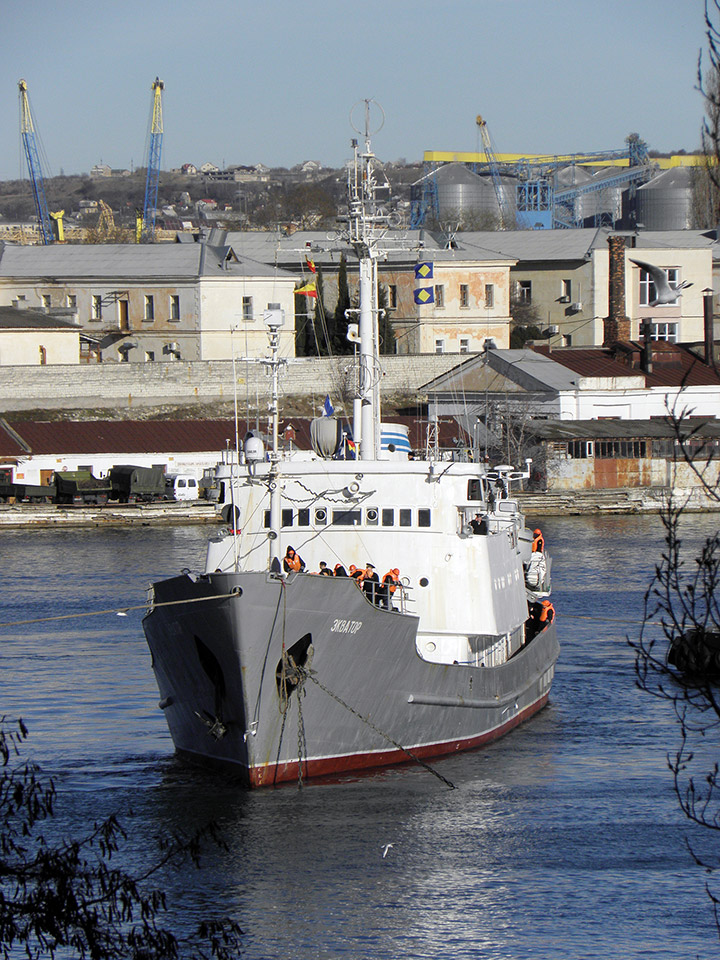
point(617, 323)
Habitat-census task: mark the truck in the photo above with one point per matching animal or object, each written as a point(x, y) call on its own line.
point(131, 484)
point(80, 486)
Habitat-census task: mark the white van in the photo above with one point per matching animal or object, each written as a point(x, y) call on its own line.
point(181, 486)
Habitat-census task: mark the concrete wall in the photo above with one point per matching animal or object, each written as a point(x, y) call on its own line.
point(127, 387)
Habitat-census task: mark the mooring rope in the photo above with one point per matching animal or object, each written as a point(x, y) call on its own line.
point(118, 611)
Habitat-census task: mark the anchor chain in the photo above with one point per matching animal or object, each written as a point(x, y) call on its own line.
point(309, 676)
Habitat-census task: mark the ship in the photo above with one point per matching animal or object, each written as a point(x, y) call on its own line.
point(270, 669)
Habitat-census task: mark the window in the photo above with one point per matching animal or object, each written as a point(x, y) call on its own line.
point(371, 516)
point(43, 355)
point(287, 517)
point(247, 308)
point(392, 296)
point(439, 346)
point(524, 291)
point(423, 517)
point(664, 331)
point(405, 518)
point(567, 340)
point(620, 449)
point(579, 449)
point(72, 301)
point(489, 296)
point(464, 295)
point(84, 348)
point(347, 518)
point(439, 295)
point(149, 356)
point(320, 516)
point(174, 307)
point(149, 308)
point(464, 345)
point(303, 517)
point(388, 517)
point(647, 286)
point(566, 291)
point(96, 307)
point(46, 301)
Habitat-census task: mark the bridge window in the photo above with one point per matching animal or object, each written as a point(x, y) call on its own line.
point(303, 517)
point(347, 518)
point(405, 518)
point(423, 518)
point(388, 517)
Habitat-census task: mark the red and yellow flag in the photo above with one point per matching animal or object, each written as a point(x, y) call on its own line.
point(307, 289)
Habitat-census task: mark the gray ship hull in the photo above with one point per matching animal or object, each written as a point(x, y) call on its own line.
point(363, 698)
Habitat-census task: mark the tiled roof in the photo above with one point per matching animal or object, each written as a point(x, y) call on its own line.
point(13, 319)
point(673, 364)
point(128, 437)
point(616, 429)
point(125, 436)
point(127, 261)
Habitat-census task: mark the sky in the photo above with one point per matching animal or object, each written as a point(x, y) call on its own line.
point(275, 81)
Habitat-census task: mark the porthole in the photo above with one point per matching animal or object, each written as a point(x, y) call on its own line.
point(321, 515)
point(424, 581)
point(371, 515)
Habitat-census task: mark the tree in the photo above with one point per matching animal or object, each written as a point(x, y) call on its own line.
point(681, 666)
point(69, 895)
point(338, 328)
point(706, 178)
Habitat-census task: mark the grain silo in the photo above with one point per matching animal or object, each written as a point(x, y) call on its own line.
point(463, 195)
point(666, 202)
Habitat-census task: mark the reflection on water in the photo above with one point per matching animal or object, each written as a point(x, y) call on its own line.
point(563, 840)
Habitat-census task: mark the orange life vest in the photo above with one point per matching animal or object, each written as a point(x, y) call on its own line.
point(547, 612)
point(391, 581)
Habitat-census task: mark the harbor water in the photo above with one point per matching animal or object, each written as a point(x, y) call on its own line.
point(563, 840)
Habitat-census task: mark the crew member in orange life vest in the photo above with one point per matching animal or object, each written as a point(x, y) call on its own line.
point(371, 583)
point(547, 612)
point(538, 544)
point(389, 585)
point(293, 562)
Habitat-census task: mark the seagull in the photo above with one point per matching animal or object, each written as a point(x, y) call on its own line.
point(664, 293)
point(386, 848)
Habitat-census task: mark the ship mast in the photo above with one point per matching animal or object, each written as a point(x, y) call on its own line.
point(367, 224)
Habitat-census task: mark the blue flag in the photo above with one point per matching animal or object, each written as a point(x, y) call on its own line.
point(328, 409)
point(424, 295)
point(423, 271)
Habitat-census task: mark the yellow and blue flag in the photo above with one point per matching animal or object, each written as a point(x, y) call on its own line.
point(424, 295)
point(424, 271)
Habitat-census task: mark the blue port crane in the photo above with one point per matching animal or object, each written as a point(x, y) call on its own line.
point(149, 213)
point(504, 209)
point(27, 134)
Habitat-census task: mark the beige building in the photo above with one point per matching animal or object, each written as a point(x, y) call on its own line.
point(563, 276)
point(36, 338)
point(470, 286)
point(153, 302)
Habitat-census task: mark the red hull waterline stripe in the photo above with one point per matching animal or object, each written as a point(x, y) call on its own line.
point(269, 774)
